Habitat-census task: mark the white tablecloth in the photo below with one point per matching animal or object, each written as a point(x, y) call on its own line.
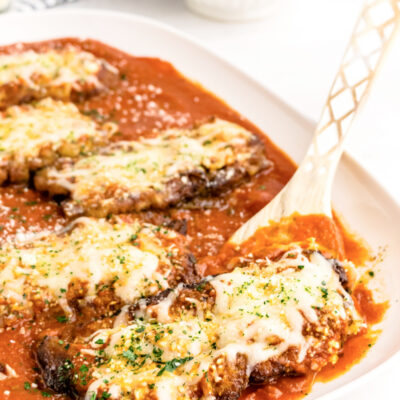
point(295, 52)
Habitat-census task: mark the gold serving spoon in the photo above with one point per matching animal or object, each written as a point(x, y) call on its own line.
point(309, 190)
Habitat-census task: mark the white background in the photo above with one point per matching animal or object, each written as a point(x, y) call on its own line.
point(295, 52)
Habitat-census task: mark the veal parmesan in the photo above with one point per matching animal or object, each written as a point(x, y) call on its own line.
point(177, 165)
point(36, 135)
point(67, 73)
point(88, 260)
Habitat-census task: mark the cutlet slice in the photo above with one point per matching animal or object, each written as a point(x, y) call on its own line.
point(177, 165)
point(65, 74)
point(95, 264)
point(36, 135)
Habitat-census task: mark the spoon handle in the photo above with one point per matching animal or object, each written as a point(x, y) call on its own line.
point(309, 191)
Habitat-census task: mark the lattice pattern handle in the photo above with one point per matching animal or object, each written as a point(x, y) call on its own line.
point(310, 189)
point(372, 35)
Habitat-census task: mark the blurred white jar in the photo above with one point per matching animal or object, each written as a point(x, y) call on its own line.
point(232, 10)
point(4, 4)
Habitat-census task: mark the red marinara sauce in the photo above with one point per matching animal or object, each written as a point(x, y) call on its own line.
point(151, 95)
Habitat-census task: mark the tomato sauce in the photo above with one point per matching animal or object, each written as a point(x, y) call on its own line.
point(152, 95)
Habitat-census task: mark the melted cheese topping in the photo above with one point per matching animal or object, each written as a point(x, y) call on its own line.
point(68, 67)
point(25, 130)
point(258, 312)
point(152, 163)
point(126, 256)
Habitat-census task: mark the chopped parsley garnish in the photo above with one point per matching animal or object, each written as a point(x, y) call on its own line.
point(172, 365)
point(62, 318)
point(130, 355)
point(157, 352)
point(324, 293)
point(84, 368)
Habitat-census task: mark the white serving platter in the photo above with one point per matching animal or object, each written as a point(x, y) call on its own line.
point(364, 204)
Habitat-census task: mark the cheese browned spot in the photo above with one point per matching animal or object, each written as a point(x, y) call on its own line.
point(64, 74)
point(176, 165)
point(34, 136)
point(210, 340)
point(131, 259)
